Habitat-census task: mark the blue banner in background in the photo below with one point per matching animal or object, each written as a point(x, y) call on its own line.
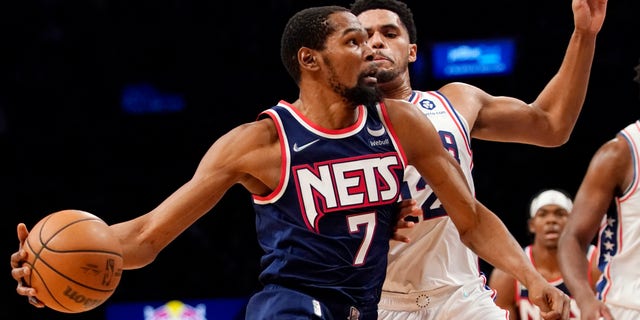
point(473, 58)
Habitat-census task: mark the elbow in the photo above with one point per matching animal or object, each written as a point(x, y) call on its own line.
point(470, 229)
point(559, 139)
point(138, 259)
point(553, 129)
point(555, 138)
point(130, 265)
point(138, 253)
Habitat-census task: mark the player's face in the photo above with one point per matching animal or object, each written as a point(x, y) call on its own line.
point(348, 59)
point(547, 224)
point(389, 39)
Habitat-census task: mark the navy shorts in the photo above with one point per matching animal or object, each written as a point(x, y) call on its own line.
point(276, 303)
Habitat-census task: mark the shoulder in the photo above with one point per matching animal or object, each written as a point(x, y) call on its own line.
point(258, 131)
point(250, 153)
point(245, 141)
point(460, 91)
point(612, 165)
point(614, 152)
point(465, 98)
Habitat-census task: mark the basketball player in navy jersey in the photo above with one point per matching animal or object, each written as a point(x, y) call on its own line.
point(325, 173)
point(613, 176)
point(548, 214)
point(436, 276)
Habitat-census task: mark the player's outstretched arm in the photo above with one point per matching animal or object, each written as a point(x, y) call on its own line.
point(249, 155)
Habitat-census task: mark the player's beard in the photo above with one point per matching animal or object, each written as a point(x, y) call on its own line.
point(363, 92)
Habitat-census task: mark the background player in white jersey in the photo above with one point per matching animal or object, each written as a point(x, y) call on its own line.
point(612, 178)
point(433, 276)
point(548, 214)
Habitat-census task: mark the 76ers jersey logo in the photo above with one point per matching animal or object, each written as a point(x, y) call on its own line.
point(348, 183)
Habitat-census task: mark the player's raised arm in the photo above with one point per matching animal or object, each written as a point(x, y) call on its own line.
point(551, 117)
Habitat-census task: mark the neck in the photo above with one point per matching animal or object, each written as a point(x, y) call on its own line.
point(332, 115)
point(397, 88)
point(401, 93)
point(546, 261)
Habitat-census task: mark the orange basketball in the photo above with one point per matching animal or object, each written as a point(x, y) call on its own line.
point(76, 261)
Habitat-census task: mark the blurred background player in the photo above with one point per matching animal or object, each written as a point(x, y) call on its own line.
point(548, 214)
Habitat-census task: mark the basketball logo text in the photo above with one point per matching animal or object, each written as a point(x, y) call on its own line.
point(81, 299)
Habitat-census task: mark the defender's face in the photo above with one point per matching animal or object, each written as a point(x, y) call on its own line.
point(389, 39)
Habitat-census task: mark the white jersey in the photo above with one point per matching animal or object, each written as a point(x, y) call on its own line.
point(619, 238)
point(435, 257)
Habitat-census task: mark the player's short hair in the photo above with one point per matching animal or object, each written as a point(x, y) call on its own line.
point(400, 8)
point(307, 28)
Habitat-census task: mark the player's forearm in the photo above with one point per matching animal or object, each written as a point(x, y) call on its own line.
point(564, 95)
point(574, 267)
point(491, 240)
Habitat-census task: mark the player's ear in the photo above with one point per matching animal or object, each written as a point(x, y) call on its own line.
point(307, 58)
point(413, 52)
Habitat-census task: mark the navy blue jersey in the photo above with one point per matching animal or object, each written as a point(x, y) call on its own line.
point(325, 230)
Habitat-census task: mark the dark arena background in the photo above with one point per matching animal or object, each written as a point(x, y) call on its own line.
point(107, 106)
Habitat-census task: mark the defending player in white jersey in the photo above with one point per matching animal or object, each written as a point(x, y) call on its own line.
point(436, 276)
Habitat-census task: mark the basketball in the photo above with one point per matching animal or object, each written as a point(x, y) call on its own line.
point(75, 260)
